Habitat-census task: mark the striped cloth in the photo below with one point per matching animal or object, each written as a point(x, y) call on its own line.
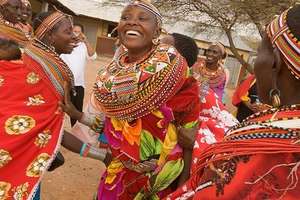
point(283, 39)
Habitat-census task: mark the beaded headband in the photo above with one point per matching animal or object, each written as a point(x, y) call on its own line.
point(283, 39)
point(2, 2)
point(49, 23)
point(149, 7)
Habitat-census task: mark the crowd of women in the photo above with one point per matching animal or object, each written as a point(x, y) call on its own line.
point(158, 115)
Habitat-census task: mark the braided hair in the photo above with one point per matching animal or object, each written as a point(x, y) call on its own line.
point(187, 47)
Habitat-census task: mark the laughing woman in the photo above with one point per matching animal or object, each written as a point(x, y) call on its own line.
point(260, 158)
point(30, 88)
point(211, 71)
point(140, 96)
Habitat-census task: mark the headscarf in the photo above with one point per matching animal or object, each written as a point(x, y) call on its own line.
point(48, 23)
point(149, 7)
point(283, 39)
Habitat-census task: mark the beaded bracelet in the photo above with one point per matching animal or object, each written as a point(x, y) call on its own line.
point(85, 150)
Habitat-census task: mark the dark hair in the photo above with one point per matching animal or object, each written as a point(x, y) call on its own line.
point(79, 25)
point(293, 21)
point(187, 47)
point(38, 20)
point(11, 48)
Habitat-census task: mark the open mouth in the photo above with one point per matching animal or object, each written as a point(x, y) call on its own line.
point(132, 33)
point(210, 58)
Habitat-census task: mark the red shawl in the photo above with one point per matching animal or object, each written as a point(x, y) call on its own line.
point(242, 90)
point(30, 130)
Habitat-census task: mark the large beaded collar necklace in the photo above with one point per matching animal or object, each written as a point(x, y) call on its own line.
point(130, 91)
point(53, 66)
point(275, 123)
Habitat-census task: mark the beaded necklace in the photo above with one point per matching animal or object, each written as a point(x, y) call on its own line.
point(214, 77)
point(265, 125)
point(54, 67)
point(125, 82)
point(147, 95)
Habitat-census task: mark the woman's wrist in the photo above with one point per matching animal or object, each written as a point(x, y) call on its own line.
point(87, 150)
point(85, 119)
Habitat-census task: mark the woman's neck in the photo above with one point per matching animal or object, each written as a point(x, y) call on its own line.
point(46, 42)
point(289, 88)
point(136, 55)
point(212, 66)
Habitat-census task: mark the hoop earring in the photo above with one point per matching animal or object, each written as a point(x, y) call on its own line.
point(275, 97)
point(156, 41)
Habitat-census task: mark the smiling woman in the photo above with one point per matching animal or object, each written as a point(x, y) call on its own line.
point(141, 103)
point(11, 10)
point(211, 71)
point(30, 89)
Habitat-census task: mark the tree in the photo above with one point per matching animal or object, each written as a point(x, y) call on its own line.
point(260, 12)
point(225, 15)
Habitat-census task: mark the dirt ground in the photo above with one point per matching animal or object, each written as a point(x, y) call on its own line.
point(78, 178)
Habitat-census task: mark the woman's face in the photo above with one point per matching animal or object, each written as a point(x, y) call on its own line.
point(11, 11)
point(26, 13)
point(213, 54)
point(263, 68)
point(63, 38)
point(137, 28)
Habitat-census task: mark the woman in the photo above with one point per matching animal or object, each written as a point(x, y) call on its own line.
point(259, 159)
point(30, 138)
point(214, 120)
point(211, 71)
point(20, 116)
point(140, 96)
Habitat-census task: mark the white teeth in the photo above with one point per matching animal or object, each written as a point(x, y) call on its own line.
point(133, 33)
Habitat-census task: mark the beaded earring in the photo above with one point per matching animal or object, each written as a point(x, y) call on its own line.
point(275, 97)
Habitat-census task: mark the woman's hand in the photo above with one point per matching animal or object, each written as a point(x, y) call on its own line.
point(67, 106)
point(186, 137)
point(108, 159)
point(142, 167)
point(257, 107)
